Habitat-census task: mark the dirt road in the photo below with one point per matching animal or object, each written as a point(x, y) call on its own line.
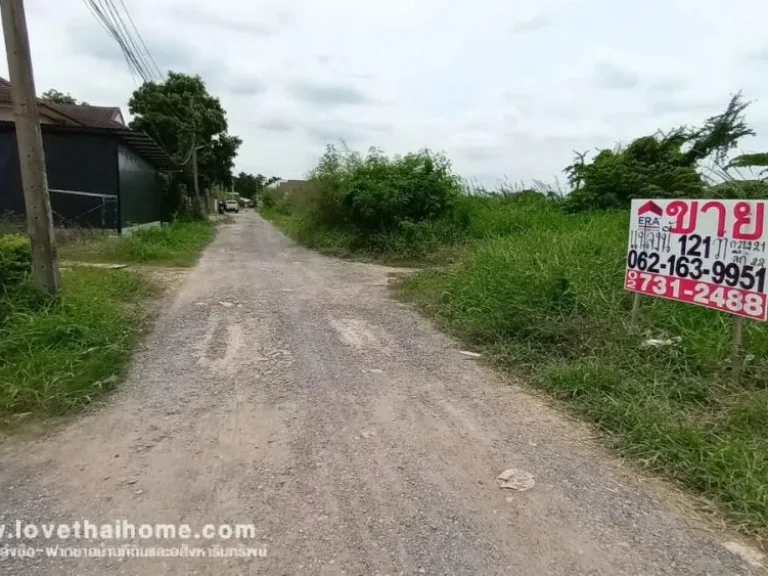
point(287, 390)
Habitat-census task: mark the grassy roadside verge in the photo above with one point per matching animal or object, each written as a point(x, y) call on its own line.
point(548, 305)
point(60, 354)
point(176, 245)
point(540, 292)
point(417, 249)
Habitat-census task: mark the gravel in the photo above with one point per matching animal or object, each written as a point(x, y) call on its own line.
point(286, 389)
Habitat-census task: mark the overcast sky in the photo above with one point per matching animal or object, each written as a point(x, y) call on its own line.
point(507, 89)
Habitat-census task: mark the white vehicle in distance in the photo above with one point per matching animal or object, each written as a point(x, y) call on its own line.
point(232, 206)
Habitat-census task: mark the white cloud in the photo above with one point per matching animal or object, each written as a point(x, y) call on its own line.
point(506, 89)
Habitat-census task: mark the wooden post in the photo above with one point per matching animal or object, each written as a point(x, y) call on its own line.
point(635, 314)
point(737, 357)
point(45, 265)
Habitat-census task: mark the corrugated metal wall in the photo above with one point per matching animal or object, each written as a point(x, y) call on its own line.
point(82, 176)
point(140, 198)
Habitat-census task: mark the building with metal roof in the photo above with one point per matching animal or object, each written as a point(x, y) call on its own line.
point(100, 172)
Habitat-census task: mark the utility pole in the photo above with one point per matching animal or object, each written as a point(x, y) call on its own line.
point(29, 139)
point(195, 181)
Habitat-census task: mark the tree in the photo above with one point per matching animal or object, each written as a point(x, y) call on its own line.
point(55, 97)
point(720, 134)
point(664, 165)
point(180, 113)
point(754, 160)
point(250, 186)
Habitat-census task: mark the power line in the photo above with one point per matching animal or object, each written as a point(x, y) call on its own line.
point(141, 39)
point(147, 73)
point(100, 11)
point(139, 60)
point(143, 57)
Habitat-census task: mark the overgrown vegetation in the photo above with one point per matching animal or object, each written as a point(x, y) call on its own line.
point(61, 353)
point(547, 300)
point(536, 282)
point(58, 354)
point(662, 165)
point(179, 244)
point(404, 206)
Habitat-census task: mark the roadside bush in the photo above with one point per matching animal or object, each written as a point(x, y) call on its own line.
point(15, 259)
point(270, 197)
point(375, 194)
point(649, 167)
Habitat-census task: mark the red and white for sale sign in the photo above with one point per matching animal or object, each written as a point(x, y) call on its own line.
point(711, 253)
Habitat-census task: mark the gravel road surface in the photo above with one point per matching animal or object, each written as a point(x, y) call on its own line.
point(288, 390)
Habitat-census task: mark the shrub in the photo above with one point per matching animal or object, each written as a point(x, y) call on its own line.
point(375, 194)
point(15, 259)
point(649, 167)
point(270, 197)
point(656, 166)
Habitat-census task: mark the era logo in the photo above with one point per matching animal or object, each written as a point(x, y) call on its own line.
point(651, 222)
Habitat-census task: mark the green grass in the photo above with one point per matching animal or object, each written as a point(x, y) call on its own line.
point(547, 302)
point(179, 244)
point(60, 354)
point(541, 293)
point(418, 245)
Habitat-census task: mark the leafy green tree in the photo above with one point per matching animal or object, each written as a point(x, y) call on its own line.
point(245, 185)
point(250, 186)
point(720, 134)
point(180, 113)
point(758, 159)
point(55, 97)
point(755, 160)
point(661, 165)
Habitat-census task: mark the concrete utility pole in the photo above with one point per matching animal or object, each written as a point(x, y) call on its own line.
point(195, 181)
point(45, 262)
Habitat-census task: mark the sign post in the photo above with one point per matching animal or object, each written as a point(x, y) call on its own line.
point(710, 253)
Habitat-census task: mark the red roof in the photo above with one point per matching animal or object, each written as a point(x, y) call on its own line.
point(76, 114)
point(102, 119)
point(91, 116)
